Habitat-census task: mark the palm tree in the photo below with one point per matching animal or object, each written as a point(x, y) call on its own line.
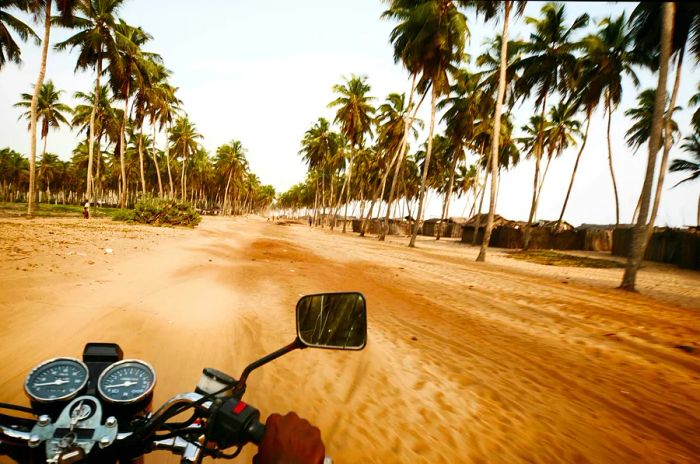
point(49, 109)
point(96, 43)
point(430, 41)
point(41, 9)
point(232, 163)
point(9, 50)
point(549, 65)
point(692, 147)
point(354, 115)
point(392, 133)
point(96, 113)
point(645, 29)
point(638, 134)
point(491, 10)
point(639, 231)
point(183, 137)
point(129, 69)
point(165, 108)
point(319, 146)
point(462, 110)
point(642, 117)
point(610, 55)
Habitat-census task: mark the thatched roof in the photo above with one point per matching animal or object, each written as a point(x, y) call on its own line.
point(482, 218)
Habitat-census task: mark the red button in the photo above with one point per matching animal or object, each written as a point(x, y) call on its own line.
point(237, 409)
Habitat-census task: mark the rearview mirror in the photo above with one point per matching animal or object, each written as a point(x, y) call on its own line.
point(332, 320)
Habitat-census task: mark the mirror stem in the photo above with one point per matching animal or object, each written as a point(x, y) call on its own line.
point(296, 344)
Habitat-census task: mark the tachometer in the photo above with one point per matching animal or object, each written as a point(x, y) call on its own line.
point(56, 380)
point(127, 381)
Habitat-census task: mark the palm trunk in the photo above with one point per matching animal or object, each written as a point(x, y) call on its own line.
point(122, 148)
point(33, 111)
point(91, 137)
point(167, 160)
point(97, 183)
point(448, 194)
point(348, 196)
point(573, 174)
point(544, 176)
point(337, 203)
point(369, 213)
point(154, 154)
point(668, 141)
point(394, 159)
point(636, 251)
point(140, 148)
point(421, 194)
point(538, 157)
point(496, 133)
point(182, 177)
point(481, 202)
point(402, 153)
point(610, 162)
point(323, 199)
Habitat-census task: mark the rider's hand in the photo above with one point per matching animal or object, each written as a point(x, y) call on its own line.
point(290, 440)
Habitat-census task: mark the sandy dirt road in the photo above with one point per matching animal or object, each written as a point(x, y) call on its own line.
point(503, 362)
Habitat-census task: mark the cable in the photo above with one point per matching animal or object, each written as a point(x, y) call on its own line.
point(17, 408)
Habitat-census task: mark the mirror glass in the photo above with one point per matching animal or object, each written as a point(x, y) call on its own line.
point(332, 320)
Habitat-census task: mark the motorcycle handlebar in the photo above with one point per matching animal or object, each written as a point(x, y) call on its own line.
point(256, 431)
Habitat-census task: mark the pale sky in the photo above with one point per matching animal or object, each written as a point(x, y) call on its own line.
point(262, 73)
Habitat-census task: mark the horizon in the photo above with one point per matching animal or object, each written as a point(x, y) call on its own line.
point(267, 87)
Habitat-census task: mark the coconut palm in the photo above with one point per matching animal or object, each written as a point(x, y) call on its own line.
point(42, 10)
point(394, 127)
point(465, 107)
point(129, 69)
point(184, 137)
point(231, 162)
point(491, 10)
point(49, 109)
point(646, 28)
point(9, 50)
point(430, 41)
point(165, 108)
point(610, 57)
point(95, 41)
point(393, 130)
point(695, 101)
point(639, 231)
point(548, 65)
point(354, 115)
point(642, 118)
point(692, 147)
point(319, 146)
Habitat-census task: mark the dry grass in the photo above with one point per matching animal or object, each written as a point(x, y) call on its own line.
point(553, 258)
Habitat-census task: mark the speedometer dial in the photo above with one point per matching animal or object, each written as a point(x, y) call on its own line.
point(127, 381)
point(56, 380)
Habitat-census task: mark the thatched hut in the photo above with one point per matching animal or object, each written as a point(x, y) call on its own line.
point(469, 226)
point(676, 246)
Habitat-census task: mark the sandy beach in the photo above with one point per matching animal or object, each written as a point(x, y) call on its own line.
point(503, 362)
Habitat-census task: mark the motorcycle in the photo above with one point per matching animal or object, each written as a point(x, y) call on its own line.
point(98, 409)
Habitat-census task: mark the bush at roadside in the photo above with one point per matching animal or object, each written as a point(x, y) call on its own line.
point(161, 212)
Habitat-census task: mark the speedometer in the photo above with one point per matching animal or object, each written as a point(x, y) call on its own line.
point(56, 380)
point(127, 381)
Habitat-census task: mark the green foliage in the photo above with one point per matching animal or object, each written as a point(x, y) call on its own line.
point(162, 212)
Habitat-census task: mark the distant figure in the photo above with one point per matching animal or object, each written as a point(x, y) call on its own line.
point(86, 210)
point(310, 221)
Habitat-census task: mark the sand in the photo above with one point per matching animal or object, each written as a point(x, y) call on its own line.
point(504, 362)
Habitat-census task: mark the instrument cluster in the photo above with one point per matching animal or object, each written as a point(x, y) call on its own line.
point(62, 379)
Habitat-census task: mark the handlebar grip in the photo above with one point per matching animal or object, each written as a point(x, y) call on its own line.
point(256, 431)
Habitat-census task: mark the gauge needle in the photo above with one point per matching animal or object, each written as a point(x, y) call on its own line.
point(55, 382)
point(125, 384)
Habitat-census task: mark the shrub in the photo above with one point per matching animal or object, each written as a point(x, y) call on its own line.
point(162, 212)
